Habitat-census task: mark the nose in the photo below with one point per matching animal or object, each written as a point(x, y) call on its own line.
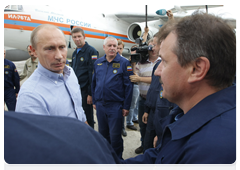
point(58, 54)
point(158, 71)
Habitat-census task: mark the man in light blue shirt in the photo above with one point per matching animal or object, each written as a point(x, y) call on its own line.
point(53, 88)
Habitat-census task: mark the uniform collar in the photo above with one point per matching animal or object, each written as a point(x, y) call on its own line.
point(54, 76)
point(84, 47)
point(35, 61)
point(195, 118)
point(116, 59)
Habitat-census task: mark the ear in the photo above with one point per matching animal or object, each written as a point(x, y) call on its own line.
point(33, 50)
point(199, 69)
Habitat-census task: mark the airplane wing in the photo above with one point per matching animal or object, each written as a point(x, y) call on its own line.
point(230, 21)
point(192, 7)
point(130, 18)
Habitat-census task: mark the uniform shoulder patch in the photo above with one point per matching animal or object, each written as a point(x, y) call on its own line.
point(94, 57)
point(129, 68)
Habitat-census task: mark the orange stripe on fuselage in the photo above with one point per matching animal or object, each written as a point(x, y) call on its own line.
point(11, 26)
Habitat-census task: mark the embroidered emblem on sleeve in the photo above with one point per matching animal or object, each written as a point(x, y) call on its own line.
point(129, 68)
point(94, 57)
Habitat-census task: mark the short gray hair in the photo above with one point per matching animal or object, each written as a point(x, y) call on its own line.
point(109, 38)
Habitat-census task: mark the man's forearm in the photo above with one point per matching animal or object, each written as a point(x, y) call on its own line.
point(146, 79)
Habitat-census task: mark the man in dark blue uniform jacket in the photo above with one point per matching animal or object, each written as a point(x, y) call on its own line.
point(155, 108)
point(41, 139)
point(83, 59)
point(197, 71)
point(11, 80)
point(112, 93)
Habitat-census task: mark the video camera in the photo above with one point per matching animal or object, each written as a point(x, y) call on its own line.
point(141, 54)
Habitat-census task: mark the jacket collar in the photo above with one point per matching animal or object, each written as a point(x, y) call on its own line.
point(83, 48)
point(116, 59)
point(206, 110)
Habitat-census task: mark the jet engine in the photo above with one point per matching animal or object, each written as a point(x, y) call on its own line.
point(136, 29)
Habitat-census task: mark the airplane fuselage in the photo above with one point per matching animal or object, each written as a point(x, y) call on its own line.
point(19, 24)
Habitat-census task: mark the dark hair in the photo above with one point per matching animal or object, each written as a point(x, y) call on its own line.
point(77, 29)
point(205, 35)
point(134, 46)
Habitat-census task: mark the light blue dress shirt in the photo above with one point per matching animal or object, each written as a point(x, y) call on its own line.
point(49, 93)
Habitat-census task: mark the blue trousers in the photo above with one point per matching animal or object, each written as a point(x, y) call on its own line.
point(110, 119)
point(141, 124)
point(10, 99)
point(132, 116)
point(88, 109)
point(150, 131)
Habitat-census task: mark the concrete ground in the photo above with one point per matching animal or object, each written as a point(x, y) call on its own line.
point(130, 142)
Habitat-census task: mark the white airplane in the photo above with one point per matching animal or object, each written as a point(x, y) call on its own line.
point(20, 20)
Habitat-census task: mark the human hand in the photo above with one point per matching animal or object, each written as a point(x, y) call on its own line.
point(125, 112)
point(155, 141)
point(89, 100)
point(134, 78)
point(170, 14)
point(145, 117)
point(146, 29)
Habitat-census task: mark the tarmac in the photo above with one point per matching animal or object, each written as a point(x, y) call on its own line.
point(130, 142)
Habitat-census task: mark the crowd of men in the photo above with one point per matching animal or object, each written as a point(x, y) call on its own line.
point(184, 90)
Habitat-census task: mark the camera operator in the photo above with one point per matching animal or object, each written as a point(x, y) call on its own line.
point(142, 76)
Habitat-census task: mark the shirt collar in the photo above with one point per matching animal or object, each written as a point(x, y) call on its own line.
point(35, 61)
point(195, 118)
point(54, 76)
point(158, 59)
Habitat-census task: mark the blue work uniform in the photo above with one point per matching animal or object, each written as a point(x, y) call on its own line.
point(157, 108)
point(11, 80)
point(44, 139)
point(149, 107)
point(82, 63)
point(163, 108)
point(206, 134)
point(112, 92)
